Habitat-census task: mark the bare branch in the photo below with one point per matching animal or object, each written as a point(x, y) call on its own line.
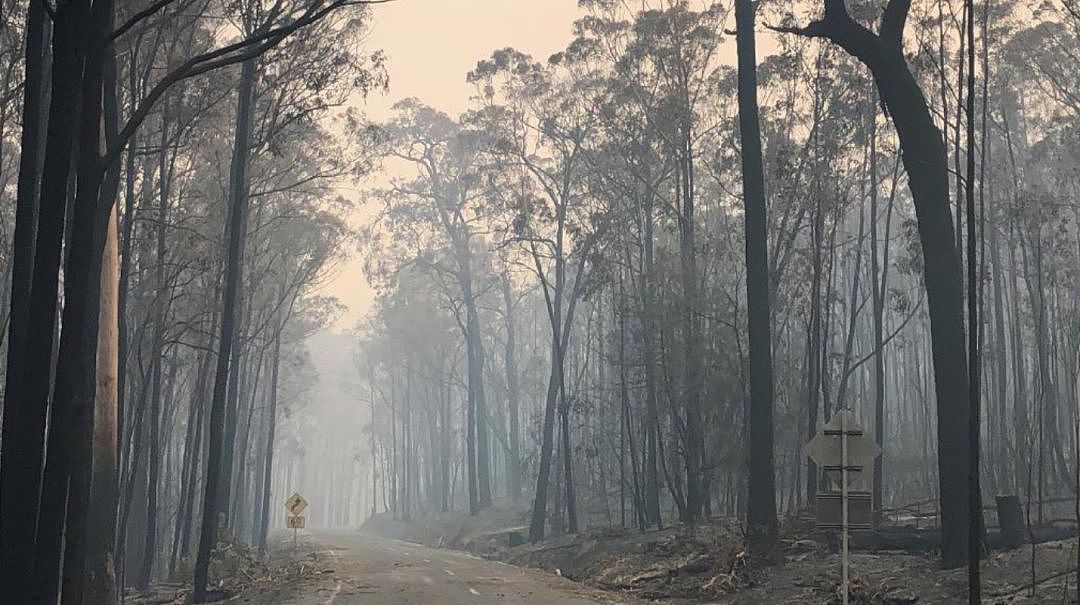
point(816, 29)
point(135, 19)
point(1072, 9)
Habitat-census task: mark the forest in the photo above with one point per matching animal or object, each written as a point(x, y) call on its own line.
point(614, 298)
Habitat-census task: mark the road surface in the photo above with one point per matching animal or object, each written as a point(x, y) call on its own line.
point(353, 568)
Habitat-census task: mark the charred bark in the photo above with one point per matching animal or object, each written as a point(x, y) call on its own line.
point(213, 505)
point(761, 505)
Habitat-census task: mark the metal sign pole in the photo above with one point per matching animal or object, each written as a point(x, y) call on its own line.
point(295, 504)
point(844, 509)
point(854, 454)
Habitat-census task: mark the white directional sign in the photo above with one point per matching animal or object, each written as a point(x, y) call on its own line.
point(296, 504)
point(826, 448)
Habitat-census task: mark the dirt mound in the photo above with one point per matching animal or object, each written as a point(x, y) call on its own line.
point(678, 562)
point(235, 569)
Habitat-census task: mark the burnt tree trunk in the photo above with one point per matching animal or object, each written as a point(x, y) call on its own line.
point(648, 352)
point(693, 371)
point(926, 162)
point(60, 543)
point(189, 461)
point(213, 505)
point(513, 392)
point(161, 296)
point(974, 546)
point(21, 421)
point(553, 300)
point(761, 505)
point(543, 477)
point(27, 389)
point(268, 465)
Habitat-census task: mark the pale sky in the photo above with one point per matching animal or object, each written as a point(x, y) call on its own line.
point(430, 46)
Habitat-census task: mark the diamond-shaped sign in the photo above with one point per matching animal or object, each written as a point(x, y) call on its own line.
point(296, 504)
point(826, 450)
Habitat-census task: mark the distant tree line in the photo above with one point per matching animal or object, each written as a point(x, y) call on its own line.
point(565, 274)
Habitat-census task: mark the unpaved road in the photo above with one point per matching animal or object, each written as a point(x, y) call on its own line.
point(359, 569)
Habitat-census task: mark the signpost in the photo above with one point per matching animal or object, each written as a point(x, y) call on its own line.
point(295, 504)
point(841, 447)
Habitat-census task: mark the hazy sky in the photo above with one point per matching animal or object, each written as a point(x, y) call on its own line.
point(430, 46)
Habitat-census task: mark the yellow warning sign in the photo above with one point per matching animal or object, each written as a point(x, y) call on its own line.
point(296, 504)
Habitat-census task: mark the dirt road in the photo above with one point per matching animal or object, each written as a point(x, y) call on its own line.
point(352, 568)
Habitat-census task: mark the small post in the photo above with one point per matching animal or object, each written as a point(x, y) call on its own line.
point(1010, 520)
point(844, 509)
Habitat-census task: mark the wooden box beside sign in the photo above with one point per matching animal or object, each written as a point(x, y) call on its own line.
point(830, 512)
point(295, 522)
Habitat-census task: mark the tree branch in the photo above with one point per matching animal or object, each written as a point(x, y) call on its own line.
point(836, 11)
point(1072, 9)
point(838, 26)
point(135, 19)
point(238, 52)
point(816, 29)
point(893, 21)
